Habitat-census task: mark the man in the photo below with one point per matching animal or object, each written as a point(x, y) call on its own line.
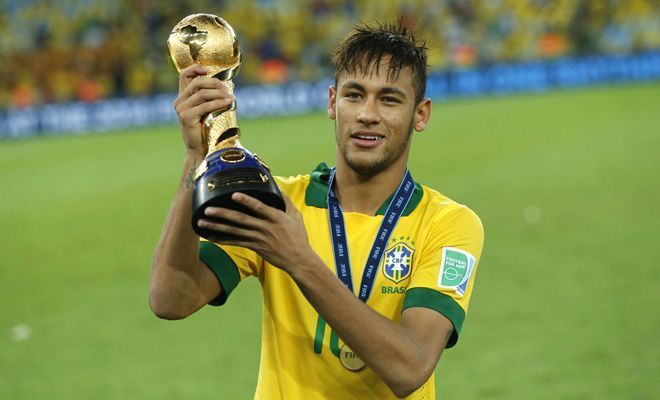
point(367, 275)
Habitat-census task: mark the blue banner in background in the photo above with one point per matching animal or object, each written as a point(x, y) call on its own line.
point(538, 76)
point(304, 97)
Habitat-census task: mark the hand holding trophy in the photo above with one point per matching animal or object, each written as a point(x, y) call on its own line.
point(228, 167)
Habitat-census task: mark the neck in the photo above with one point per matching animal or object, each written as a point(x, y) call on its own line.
point(365, 194)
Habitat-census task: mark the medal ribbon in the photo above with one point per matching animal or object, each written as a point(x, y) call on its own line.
point(339, 239)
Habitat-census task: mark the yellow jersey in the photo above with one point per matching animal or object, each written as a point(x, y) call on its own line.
point(430, 261)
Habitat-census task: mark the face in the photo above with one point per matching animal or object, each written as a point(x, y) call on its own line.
point(374, 119)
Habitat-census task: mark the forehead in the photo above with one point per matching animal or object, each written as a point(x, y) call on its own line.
point(378, 75)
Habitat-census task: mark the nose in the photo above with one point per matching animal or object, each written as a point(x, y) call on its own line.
point(368, 113)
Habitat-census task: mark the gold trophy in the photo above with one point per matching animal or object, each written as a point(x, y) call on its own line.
point(228, 167)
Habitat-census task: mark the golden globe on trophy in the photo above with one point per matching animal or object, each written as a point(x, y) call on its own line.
point(228, 167)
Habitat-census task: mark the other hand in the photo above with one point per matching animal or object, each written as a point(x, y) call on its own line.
point(279, 237)
point(199, 95)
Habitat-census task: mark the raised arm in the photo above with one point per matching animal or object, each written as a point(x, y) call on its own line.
point(180, 283)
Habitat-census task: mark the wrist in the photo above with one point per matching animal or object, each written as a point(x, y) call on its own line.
point(309, 265)
point(195, 156)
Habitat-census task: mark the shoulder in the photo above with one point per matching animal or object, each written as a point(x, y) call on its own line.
point(294, 187)
point(441, 212)
point(292, 182)
point(310, 189)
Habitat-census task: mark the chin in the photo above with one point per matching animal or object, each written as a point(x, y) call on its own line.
point(367, 167)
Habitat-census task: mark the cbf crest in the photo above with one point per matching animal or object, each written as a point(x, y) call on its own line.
point(398, 262)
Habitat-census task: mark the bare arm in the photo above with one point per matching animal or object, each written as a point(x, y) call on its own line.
point(404, 355)
point(180, 283)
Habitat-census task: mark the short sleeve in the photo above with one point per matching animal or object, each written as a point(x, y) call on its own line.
point(230, 264)
point(443, 277)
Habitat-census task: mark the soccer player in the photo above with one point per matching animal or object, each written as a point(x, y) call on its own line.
point(367, 276)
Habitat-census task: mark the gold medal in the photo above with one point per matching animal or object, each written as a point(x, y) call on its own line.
point(349, 359)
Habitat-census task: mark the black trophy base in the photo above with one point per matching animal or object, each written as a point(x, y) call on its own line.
point(215, 190)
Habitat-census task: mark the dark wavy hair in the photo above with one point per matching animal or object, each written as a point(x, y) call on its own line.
point(363, 49)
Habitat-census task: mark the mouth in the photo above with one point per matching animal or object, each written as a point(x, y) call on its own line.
point(370, 137)
point(366, 140)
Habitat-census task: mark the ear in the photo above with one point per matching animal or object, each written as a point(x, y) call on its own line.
point(422, 115)
point(332, 111)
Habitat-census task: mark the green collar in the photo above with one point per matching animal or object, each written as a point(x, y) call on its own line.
point(317, 192)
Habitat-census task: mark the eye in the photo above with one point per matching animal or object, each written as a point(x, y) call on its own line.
point(390, 99)
point(353, 95)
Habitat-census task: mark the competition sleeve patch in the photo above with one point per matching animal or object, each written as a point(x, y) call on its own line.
point(222, 266)
point(455, 270)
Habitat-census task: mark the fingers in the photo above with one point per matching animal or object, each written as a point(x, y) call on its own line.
point(191, 115)
point(194, 78)
point(202, 96)
point(239, 224)
point(235, 242)
point(189, 73)
point(240, 229)
point(290, 207)
point(204, 88)
point(204, 82)
point(193, 70)
point(228, 230)
point(234, 217)
point(256, 206)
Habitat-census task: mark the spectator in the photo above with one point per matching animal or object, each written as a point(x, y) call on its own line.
point(93, 49)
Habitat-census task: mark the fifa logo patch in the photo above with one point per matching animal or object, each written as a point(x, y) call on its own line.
point(455, 270)
point(398, 262)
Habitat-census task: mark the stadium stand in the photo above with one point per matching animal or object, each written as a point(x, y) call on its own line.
point(69, 50)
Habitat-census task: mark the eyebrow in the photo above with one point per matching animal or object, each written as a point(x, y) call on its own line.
point(383, 90)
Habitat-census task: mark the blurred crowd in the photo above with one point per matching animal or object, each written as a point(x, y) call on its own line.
point(67, 50)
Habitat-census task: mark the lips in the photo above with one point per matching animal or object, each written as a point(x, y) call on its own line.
point(366, 139)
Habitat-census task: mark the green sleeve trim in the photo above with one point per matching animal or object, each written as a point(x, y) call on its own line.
point(440, 302)
point(223, 267)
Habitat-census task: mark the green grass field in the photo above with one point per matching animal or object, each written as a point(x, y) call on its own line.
point(565, 304)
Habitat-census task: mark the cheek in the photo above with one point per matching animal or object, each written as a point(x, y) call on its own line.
point(342, 116)
point(397, 124)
